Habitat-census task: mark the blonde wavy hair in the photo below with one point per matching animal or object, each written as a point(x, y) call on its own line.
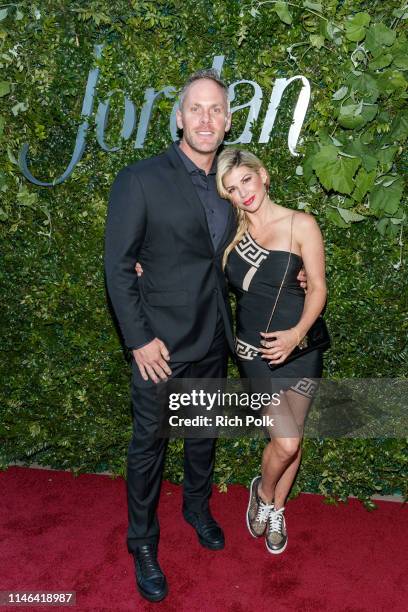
point(227, 160)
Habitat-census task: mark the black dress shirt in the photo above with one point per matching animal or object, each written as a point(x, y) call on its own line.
point(215, 207)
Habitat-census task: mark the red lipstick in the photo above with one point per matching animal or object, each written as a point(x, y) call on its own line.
point(249, 201)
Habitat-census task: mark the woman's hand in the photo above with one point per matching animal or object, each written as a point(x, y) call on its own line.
point(138, 269)
point(302, 279)
point(278, 345)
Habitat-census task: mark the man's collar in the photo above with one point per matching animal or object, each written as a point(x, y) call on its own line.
point(189, 164)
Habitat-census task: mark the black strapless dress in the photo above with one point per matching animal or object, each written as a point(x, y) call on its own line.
point(255, 274)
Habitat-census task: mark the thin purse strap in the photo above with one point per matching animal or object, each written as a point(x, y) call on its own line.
point(284, 276)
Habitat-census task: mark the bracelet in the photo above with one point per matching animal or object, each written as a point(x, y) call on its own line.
point(297, 335)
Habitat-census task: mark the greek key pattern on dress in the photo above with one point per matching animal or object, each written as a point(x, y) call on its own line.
point(306, 387)
point(251, 252)
point(245, 350)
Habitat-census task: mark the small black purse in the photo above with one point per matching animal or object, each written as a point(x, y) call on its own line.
point(318, 335)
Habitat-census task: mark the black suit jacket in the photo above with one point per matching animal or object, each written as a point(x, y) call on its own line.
point(156, 217)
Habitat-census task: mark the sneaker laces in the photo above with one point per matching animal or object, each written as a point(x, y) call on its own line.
point(276, 519)
point(263, 511)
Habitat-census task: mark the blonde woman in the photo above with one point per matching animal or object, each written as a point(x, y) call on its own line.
point(262, 263)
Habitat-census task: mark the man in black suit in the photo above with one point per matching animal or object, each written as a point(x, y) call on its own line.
point(165, 212)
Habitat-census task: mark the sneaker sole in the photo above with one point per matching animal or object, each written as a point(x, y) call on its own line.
point(254, 535)
point(276, 552)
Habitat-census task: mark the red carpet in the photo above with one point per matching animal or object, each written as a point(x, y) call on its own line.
point(61, 533)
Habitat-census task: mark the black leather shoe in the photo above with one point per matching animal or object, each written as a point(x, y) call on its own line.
point(150, 580)
point(210, 535)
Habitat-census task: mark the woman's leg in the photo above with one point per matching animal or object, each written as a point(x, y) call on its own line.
point(277, 456)
point(299, 406)
point(281, 457)
point(277, 480)
point(280, 463)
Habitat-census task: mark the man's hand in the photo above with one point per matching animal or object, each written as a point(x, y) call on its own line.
point(138, 269)
point(302, 278)
point(152, 361)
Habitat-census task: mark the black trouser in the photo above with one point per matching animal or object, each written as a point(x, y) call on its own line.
point(147, 451)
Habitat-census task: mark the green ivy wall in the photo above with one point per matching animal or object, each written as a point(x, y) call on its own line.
point(65, 398)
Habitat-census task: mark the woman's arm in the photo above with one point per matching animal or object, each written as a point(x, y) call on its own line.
point(310, 240)
point(279, 344)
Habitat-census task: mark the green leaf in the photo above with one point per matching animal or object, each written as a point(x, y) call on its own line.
point(364, 181)
point(316, 41)
point(3, 215)
point(356, 27)
point(11, 156)
point(336, 142)
point(334, 171)
point(386, 156)
point(328, 153)
point(387, 228)
point(344, 170)
point(391, 80)
point(399, 127)
point(19, 15)
point(369, 112)
point(26, 198)
point(3, 14)
point(4, 88)
point(401, 61)
point(354, 116)
point(333, 33)
point(381, 62)
point(2, 124)
point(340, 93)
point(366, 85)
point(308, 173)
point(34, 429)
point(314, 6)
point(347, 203)
point(20, 107)
point(400, 219)
point(379, 35)
point(281, 9)
point(386, 199)
point(334, 217)
point(349, 216)
point(401, 13)
point(350, 115)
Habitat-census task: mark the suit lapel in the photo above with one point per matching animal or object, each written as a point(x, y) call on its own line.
point(229, 230)
point(187, 190)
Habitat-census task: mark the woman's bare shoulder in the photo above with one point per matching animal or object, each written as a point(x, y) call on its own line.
point(305, 221)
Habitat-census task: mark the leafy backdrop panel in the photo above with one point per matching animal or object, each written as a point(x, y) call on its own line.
point(65, 398)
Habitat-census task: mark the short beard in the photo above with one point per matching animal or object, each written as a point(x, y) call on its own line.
point(202, 151)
